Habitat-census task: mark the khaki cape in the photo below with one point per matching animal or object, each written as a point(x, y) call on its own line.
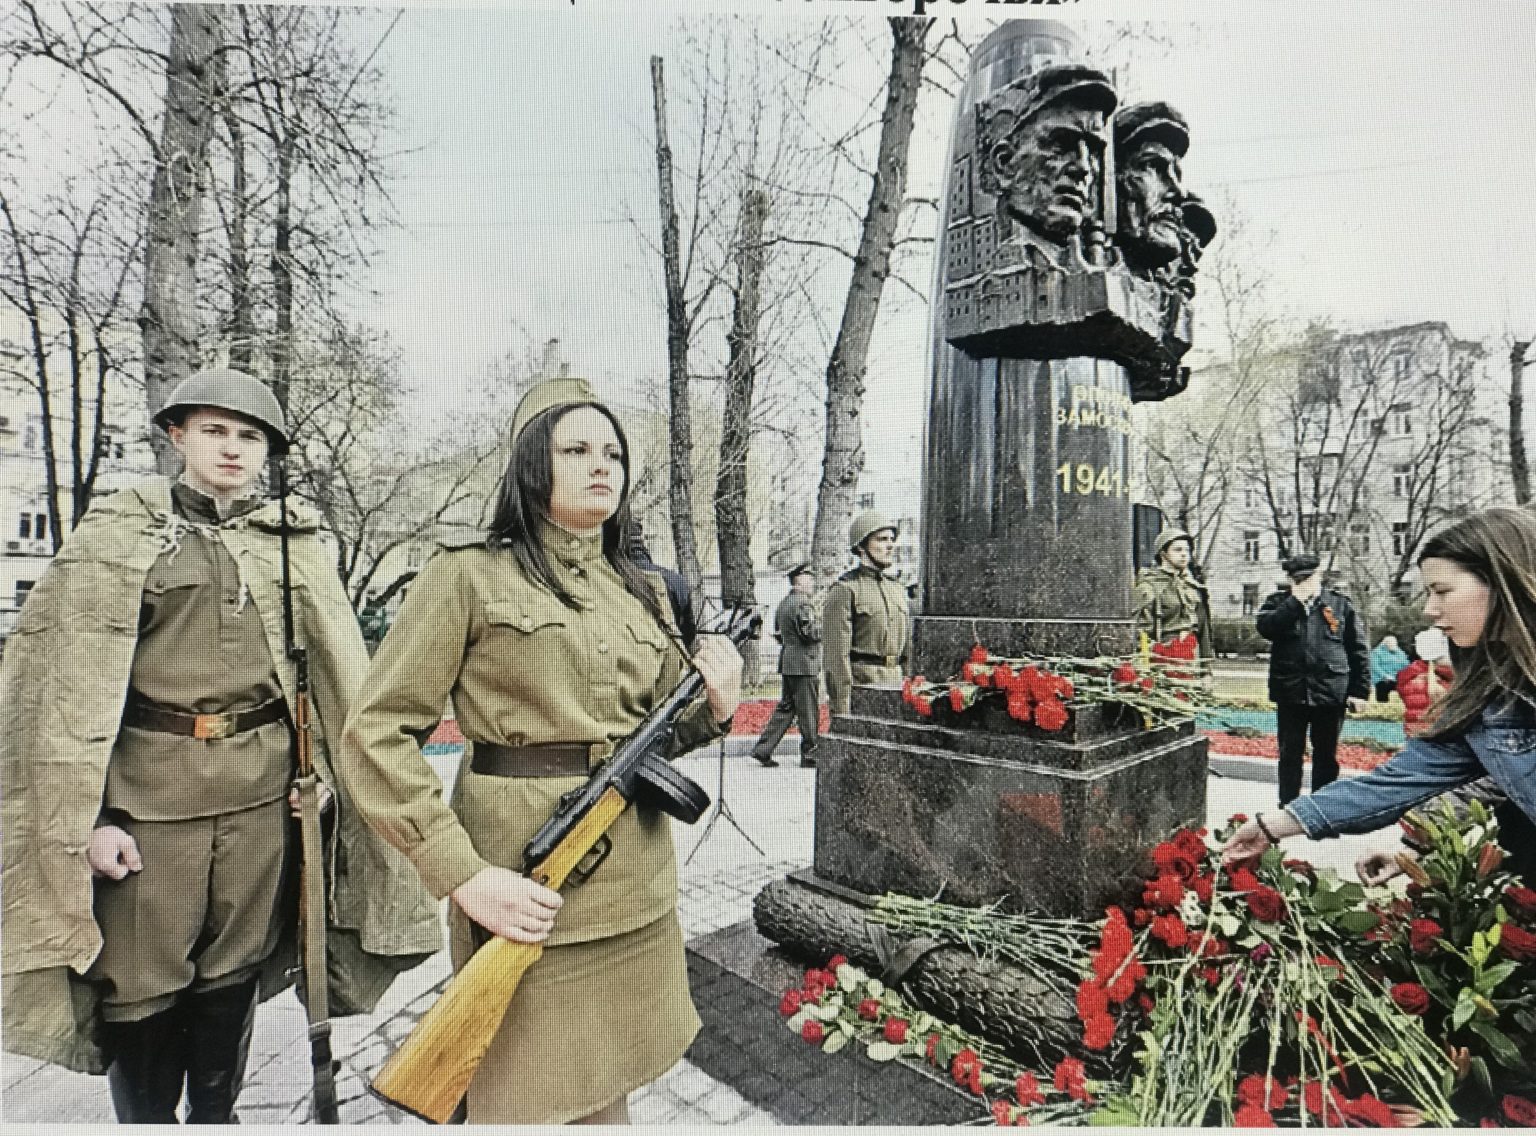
point(63, 685)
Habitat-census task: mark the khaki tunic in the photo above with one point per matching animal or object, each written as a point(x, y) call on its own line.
point(865, 612)
point(1168, 603)
point(523, 669)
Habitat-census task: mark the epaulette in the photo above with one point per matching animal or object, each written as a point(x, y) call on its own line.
point(851, 574)
point(459, 539)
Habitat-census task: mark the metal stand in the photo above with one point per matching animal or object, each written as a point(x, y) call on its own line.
point(721, 809)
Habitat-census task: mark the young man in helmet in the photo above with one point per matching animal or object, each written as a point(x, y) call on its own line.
point(866, 628)
point(1171, 602)
point(147, 756)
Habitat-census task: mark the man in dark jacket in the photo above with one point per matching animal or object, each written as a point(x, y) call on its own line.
point(1319, 665)
point(798, 628)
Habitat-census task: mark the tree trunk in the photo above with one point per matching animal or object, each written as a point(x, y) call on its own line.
point(680, 447)
point(168, 320)
point(1519, 471)
point(843, 460)
point(733, 524)
point(241, 325)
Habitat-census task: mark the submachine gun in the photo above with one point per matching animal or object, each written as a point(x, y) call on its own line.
point(431, 1071)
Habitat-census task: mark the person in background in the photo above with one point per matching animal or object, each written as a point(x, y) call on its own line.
point(866, 623)
point(1387, 658)
point(1171, 600)
point(679, 594)
point(798, 630)
point(1318, 667)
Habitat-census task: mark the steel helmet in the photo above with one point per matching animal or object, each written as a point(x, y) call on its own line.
point(1167, 537)
point(227, 389)
point(865, 525)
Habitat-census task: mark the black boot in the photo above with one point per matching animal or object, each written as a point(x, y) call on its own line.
point(219, 1041)
point(149, 1063)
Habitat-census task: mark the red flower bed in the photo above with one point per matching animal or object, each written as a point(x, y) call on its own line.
point(752, 716)
point(1350, 756)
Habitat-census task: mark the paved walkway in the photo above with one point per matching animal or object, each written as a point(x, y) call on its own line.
point(719, 875)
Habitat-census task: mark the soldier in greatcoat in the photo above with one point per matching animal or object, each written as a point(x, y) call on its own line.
point(553, 647)
point(798, 630)
point(147, 759)
point(866, 628)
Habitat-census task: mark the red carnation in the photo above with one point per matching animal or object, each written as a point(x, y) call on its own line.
point(923, 705)
point(906, 690)
point(978, 653)
point(896, 1031)
point(1164, 893)
point(932, 1046)
point(1124, 674)
point(1267, 905)
point(1422, 934)
point(813, 1032)
point(1522, 901)
point(1146, 683)
point(1519, 1111)
point(1050, 714)
point(956, 699)
point(1003, 676)
point(1252, 1116)
point(963, 1063)
point(1091, 1000)
point(1026, 1090)
point(1170, 931)
point(1410, 997)
point(790, 1003)
point(1366, 1109)
point(1001, 1114)
point(869, 1009)
point(1123, 985)
point(836, 961)
point(968, 672)
point(974, 1083)
point(1312, 1099)
point(1098, 1031)
point(1517, 942)
point(1203, 885)
point(1252, 1090)
point(1071, 1079)
point(1019, 708)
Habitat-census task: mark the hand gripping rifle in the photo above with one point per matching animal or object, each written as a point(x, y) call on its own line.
point(430, 1072)
point(312, 924)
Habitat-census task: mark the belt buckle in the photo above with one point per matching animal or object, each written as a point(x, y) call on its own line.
point(213, 727)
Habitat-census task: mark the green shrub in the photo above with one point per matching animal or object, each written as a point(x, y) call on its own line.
point(1237, 637)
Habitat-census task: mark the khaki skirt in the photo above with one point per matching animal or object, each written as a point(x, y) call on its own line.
point(590, 1023)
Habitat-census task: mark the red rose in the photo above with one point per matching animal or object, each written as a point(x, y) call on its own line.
point(1203, 885)
point(1164, 893)
point(1026, 1090)
point(961, 1065)
point(813, 1032)
point(1522, 901)
point(1091, 1000)
point(956, 699)
point(1003, 677)
point(869, 1009)
point(924, 706)
point(1098, 1031)
point(1170, 930)
point(1410, 997)
point(1146, 683)
point(1267, 905)
point(1252, 1116)
point(896, 1032)
point(1519, 1111)
point(1050, 714)
point(1517, 942)
point(1243, 880)
point(790, 1003)
point(974, 1084)
point(1171, 860)
point(1422, 934)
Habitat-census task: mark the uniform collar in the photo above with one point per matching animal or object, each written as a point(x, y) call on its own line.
point(569, 547)
point(198, 506)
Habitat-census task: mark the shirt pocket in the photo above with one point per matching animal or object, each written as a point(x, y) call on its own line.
point(528, 615)
point(1510, 739)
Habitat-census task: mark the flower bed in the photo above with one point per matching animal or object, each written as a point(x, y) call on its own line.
point(1269, 995)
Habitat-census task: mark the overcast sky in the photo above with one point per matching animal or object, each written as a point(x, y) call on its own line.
point(1390, 160)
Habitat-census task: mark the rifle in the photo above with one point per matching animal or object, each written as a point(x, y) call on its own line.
point(312, 924)
point(430, 1072)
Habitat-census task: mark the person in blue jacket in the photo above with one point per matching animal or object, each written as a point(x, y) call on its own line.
point(1480, 575)
point(1387, 658)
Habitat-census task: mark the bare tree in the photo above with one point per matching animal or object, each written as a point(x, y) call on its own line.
point(1519, 470)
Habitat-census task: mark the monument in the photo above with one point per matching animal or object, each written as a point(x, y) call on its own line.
point(1065, 272)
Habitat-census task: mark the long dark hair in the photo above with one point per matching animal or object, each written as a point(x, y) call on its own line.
point(1498, 546)
point(522, 503)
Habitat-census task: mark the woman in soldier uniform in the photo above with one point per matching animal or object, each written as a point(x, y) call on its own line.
point(552, 647)
point(145, 741)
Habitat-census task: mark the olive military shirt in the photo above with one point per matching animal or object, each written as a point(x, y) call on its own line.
point(522, 669)
point(864, 612)
point(202, 649)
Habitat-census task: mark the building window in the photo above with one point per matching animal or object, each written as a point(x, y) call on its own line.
point(29, 437)
point(1402, 480)
point(1400, 365)
point(1250, 598)
point(1251, 547)
point(32, 526)
point(1251, 498)
point(866, 500)
point(1399, 538)
point(1400, 422)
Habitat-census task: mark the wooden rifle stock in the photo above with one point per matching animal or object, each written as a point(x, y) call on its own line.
point(430, 1072)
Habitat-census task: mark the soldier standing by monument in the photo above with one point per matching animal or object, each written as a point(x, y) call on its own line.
point(865, 616)
point(798, 629)
point(1170, 601)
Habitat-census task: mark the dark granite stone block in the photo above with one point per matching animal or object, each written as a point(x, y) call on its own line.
point(737, 978)
point(923, 820)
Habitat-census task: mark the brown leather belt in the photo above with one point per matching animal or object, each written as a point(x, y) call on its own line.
point(875, 660)
point(558, 759)
point(209, 727)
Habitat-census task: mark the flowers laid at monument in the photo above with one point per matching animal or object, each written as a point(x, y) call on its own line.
point(1273, 994)
point(1164, 683)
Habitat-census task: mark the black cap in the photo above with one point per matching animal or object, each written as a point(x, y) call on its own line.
point(1300, 565)
point(800, 570)
point(1158, 122)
